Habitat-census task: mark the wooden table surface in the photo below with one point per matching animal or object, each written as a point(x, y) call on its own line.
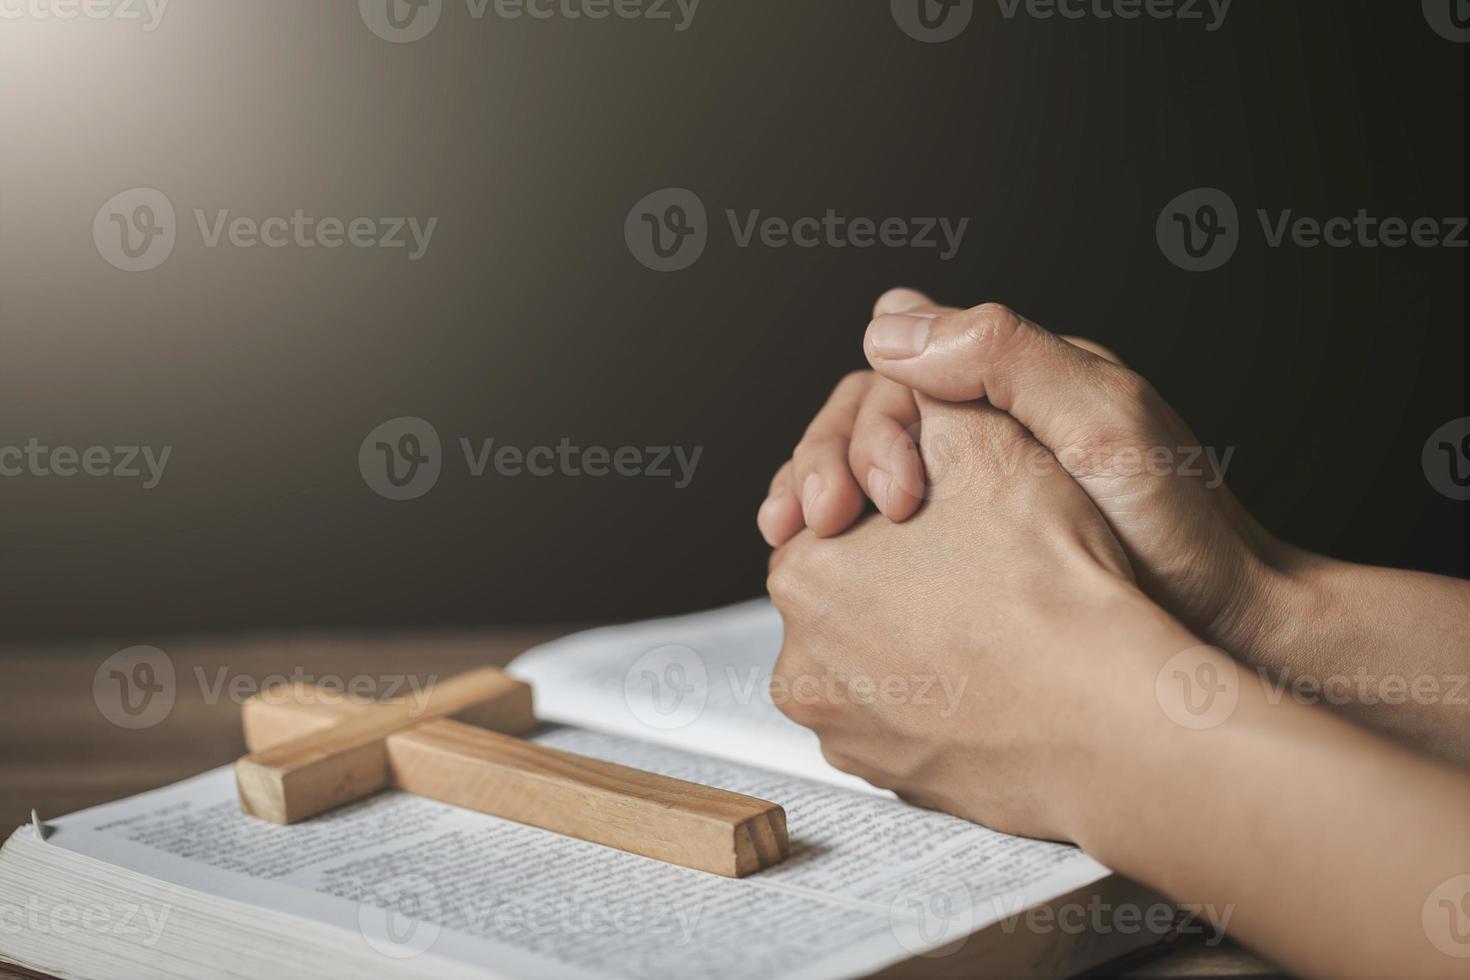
point(59, 753)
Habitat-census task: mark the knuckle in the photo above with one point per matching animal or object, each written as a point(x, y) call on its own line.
point(809, 712)
point(792, 709)
point(789, 668)
point(837, 759)
point(781, 584)
point(1133, 401)
point(1129, 388)
point(997, 312)
point(994, 328)
point(872, 440)
point(816, 445)
point(800, 684)
point(849, 761)
point(786, 581)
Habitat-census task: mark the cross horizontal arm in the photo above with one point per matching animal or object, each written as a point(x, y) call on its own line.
point(324, 767)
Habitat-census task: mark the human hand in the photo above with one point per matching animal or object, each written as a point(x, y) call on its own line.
point(1191, 545)
point(990, 658)
point(973, 659)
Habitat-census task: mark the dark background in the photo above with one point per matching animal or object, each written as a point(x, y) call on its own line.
point(529, 321)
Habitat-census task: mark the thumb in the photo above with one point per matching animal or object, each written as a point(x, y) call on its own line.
point(1058, 390)
point(902, 300)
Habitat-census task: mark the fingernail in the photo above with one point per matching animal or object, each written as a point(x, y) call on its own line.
point(811, 490)
point(899, 335)
point(879, 483)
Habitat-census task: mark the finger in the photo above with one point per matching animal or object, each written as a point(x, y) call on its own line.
point(901, 300)
point(972, 445)
point(904, 300)
point(884, 455)
point(909, 301)
point(830, 497)
point(1093, 347)
point(1055, 389)
point(779, 516)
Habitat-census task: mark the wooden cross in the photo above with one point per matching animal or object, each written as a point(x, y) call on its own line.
point(312, 749)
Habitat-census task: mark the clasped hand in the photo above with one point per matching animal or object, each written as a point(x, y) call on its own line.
point(1024, 550)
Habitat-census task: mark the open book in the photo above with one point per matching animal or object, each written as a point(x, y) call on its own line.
point(178, 882)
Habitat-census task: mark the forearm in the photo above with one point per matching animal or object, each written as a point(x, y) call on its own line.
point(1385, 647)
point(1281, 814)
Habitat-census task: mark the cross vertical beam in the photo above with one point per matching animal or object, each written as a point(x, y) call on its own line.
point(314, 749)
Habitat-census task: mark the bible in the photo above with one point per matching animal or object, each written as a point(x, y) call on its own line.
point(180, 882)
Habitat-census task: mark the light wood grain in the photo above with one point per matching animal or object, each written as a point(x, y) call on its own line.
point(643, 813)
point(290, 711)
point(317, 771)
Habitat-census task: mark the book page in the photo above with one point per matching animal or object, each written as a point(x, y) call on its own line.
point(700, 681)
point(870, 881)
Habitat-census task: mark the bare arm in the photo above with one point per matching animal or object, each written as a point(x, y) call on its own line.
point(1328, 848)
point(1384, 647)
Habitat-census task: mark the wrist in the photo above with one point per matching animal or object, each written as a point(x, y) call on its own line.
point(1127, 640)
point(1183, 713)
point(1282, 601)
